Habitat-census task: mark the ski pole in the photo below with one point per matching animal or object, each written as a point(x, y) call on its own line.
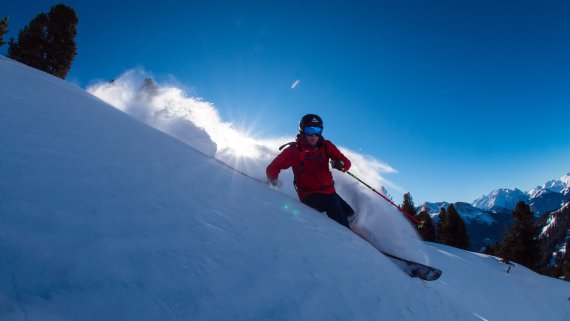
point(420, 224)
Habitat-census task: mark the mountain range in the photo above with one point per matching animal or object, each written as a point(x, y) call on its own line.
point(548, 197)
point(489, 216)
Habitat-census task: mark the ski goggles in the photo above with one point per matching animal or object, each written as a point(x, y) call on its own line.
point(312, 130)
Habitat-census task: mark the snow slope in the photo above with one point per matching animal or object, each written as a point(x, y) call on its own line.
point(105, 218)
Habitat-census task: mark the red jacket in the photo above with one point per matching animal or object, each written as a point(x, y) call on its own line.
point(310, 166)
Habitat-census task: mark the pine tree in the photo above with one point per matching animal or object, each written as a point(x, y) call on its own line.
point(520, 244)
point(48, 41)
point(427, 231)
point(439, 226)
point(61, 32)
point(31, 47)
point(408, 206)
point(3, 30)
point(492, 249)
point(566, 263)
point(453, 229)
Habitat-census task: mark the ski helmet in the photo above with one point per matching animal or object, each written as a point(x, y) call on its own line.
point(310, 120)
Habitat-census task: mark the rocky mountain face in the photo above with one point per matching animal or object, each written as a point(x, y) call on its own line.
point(554, 237)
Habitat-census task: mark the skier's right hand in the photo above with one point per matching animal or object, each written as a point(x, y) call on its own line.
point(338, 165)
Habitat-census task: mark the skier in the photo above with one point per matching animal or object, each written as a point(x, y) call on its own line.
point(309, 157)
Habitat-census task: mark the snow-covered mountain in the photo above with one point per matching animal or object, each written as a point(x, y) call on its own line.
point(105, 218)
point(557, 185)
point(548, 197)
point(488, 216)
point(551, 195)
point(433, 208)
point(503, 198)
point(546, 201)
point(469, 213)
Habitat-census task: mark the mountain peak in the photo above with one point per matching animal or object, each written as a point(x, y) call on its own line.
point(502, 197)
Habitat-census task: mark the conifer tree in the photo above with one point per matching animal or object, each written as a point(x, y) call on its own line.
point(453, 229)
point(566, 263)
point(31, 47)
point(3, 30)
point(61, 32)
point(520, 244)
point(427, 231)
point(48, 41)
point(494, 249)
point(408, 206)
point(439, 226)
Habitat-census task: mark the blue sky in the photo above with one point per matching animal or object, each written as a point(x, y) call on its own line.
point(461, 97)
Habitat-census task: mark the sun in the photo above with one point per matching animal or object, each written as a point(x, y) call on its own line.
point(236, 143)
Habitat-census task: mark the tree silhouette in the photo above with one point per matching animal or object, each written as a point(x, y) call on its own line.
point(520, 244)
point(439, 226)
point(453, 229)
point(427, 231)
point(566, 263)
point(3, 30)
point(408, 206)
point(48, 41)
point(31, 47)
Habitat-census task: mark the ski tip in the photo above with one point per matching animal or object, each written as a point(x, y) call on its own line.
point(427, 274)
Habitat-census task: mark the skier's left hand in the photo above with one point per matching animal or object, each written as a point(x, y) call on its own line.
point(338, 165)
point(273, 183)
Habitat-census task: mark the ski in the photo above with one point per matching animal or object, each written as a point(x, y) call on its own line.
point(415, 269)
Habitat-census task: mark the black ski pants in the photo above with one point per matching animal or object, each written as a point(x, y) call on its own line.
point(335, 207)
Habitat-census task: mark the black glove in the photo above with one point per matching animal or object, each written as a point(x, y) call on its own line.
point(337, 164)
point(273, 182)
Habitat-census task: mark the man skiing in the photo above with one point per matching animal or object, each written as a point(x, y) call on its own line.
point(309, 157)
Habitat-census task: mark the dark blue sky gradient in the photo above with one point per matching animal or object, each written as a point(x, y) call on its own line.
point(461, 97)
